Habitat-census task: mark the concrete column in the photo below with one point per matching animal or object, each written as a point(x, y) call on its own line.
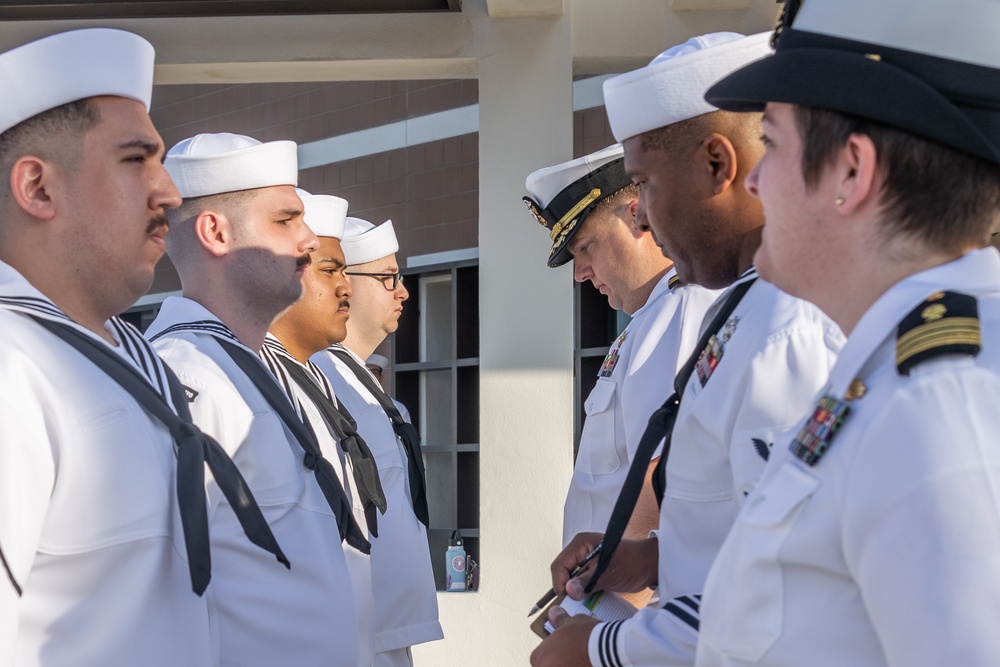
point(526, 347)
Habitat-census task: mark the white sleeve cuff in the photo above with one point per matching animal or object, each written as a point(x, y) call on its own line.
point(603, 645)
point(665, 637)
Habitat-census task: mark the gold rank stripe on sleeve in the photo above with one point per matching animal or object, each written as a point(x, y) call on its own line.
point(957, 331)
point(944, 323)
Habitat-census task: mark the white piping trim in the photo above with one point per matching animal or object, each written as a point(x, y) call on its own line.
point(446, 257)
point(587, 94)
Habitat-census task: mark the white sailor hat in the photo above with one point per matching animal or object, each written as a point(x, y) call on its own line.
point(364, 242)
point(71, 66)
point(324, 214)
point(928, 68)
point(209, 164)
point(562, 196)
point(671, 88)
point(377, 360)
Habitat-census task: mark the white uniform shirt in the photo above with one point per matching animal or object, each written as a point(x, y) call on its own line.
point(886, 551)
point(406, 608)
point(635, 379)
point(777, 352)
point(89, 523)
point(263, 614)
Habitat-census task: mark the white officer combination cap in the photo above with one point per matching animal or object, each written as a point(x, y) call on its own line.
point(210, 164)
point(71, 66)
point(325, 215)
point(671, 88)
point(563, 195)
point(364, 242)
point(377, 360)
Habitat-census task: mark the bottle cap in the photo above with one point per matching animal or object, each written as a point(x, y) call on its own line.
point(456, 538)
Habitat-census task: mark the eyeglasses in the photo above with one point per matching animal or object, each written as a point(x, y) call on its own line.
point(396, 279)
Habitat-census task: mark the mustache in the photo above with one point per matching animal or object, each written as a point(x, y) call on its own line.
point(344, 304)
point(303, 261)
point(156, 222)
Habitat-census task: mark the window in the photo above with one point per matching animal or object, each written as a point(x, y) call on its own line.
point(436, 375)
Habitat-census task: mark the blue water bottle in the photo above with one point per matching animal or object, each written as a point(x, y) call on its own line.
point(455, 557)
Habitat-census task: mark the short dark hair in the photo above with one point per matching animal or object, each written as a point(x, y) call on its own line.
point(55, 135)
point(943, 197)
point(629, 192)
point(181, 242)
point(682, 138)
point(231, 203)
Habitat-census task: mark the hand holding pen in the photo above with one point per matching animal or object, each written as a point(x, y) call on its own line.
point(551, 594)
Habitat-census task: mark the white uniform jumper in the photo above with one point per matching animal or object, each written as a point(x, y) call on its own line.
point(635, 379)
point(759, 376)
point(406, 611)
point(885, 551)
point(89, 524)
point(263, 614)
point(359, 564)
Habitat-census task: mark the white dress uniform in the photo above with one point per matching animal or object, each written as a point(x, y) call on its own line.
point(773, 354)
point(89, 524)
point(263, 614)
point(359, 564)
point(635, 379)
point(885, 551)
point(406, 611)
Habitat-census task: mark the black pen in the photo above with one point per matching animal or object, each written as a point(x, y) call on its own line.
point(579, 568)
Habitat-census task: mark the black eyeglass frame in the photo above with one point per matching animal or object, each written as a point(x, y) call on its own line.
point(397, 278)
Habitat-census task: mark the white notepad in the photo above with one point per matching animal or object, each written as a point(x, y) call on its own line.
point(602, 605)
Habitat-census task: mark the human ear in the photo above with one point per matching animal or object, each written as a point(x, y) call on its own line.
point(722, 161)
point(856, 173)
point(31, 180)
point(214, 232)
point(629, 213)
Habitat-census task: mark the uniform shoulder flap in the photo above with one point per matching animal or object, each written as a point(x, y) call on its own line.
point(944, 323)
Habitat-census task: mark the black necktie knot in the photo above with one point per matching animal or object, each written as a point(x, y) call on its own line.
point(183, 432)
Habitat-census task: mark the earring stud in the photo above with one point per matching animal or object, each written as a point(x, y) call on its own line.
point(839, 201)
